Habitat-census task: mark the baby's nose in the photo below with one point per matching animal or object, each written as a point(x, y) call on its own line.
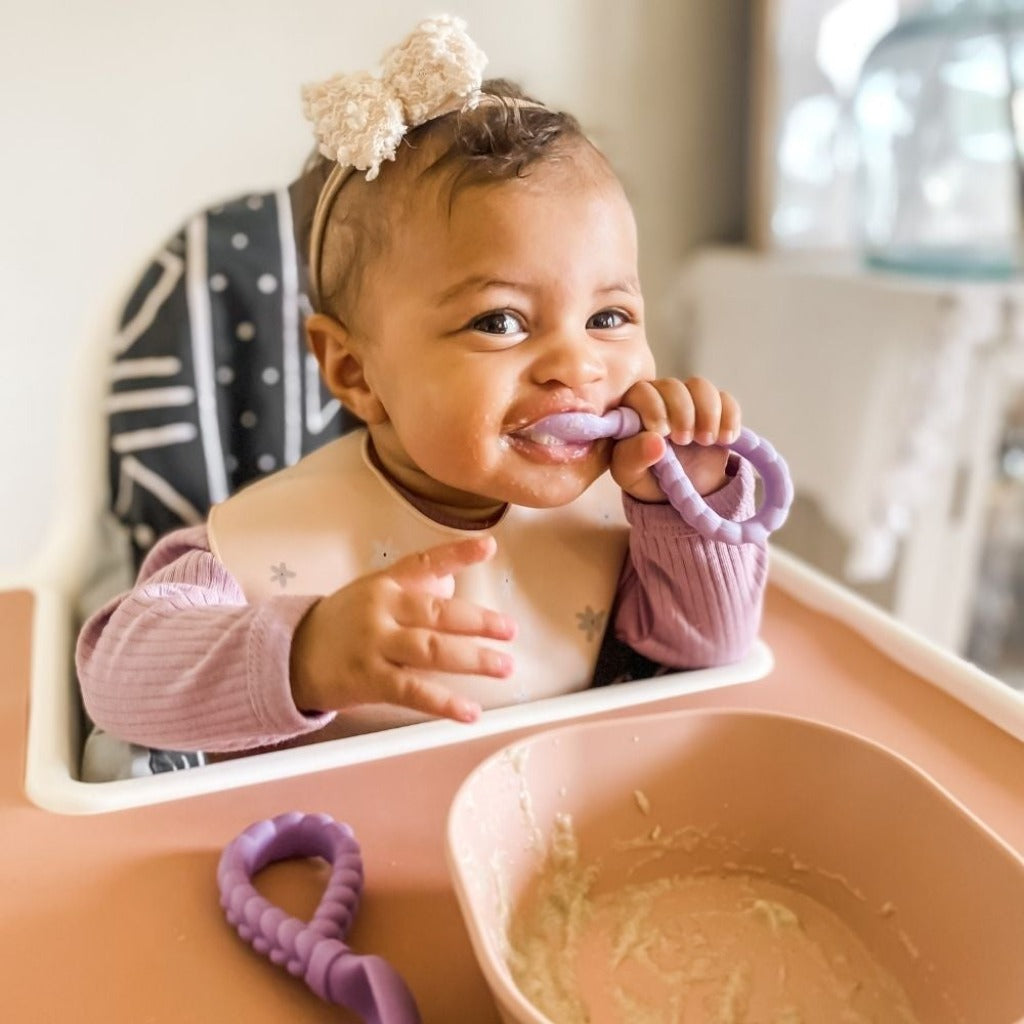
point(570, 358)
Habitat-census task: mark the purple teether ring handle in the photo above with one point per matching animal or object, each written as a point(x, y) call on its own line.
point(771, 467)
point(314, 950)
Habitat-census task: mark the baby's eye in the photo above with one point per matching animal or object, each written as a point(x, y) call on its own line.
point(500, 322)
point(607, 320)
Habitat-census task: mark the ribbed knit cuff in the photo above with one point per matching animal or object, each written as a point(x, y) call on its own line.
point(268, 669)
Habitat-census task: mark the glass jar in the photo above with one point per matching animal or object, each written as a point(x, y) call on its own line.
point(939, 109)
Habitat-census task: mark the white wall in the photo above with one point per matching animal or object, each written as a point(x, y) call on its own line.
point(119, 118)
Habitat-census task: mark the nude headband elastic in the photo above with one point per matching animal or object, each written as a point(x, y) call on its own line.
point(341, 173)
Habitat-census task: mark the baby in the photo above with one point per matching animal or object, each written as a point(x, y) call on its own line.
point(450, 556)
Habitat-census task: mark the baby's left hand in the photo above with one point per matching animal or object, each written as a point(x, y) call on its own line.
point(694, 416)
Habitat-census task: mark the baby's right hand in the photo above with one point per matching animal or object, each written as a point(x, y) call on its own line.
point(384, 637)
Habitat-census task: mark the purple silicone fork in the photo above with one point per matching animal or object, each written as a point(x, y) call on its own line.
point(314, 950)
point(771, 467)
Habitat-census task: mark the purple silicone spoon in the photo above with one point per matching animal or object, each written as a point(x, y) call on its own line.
point(314, 950)
point(771, 467)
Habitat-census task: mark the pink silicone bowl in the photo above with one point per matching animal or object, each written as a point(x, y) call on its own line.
point(936, 896)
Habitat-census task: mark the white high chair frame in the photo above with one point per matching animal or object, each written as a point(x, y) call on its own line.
point(62, 569)
point(76, 550)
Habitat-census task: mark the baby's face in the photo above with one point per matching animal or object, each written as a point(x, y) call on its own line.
point(524, 302)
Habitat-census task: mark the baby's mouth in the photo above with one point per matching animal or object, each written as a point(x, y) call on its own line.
point(536, 435)
point(540, 445)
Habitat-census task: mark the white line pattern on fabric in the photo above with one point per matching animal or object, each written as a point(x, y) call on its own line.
point(150, 398)
point(153, 437)
point(201, 321)
point(151, 366)
point(134, 472)
point(317, 416)
point(290, 331)
point(173, 266)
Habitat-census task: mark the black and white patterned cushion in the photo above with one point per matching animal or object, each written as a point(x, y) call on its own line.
point(212, 385)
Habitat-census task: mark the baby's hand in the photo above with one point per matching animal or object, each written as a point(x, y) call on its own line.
point(384, 637)
point(695, 416)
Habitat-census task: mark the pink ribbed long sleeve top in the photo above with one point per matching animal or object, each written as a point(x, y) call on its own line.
point(183, 662)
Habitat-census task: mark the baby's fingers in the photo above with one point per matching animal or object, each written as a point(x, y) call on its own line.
point(687, 411)
point(413, 691)
point(452, 615)
point(426, 569)
point(707, 410)
point(646, 399)
point(428, 650)
point(716, 414)
point(732, 419)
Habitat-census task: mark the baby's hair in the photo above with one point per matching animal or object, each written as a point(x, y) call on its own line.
point(495, 141)
point(500, 138)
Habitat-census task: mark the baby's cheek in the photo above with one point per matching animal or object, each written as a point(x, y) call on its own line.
point(450, 444)
point(648, 367)
point(636, 366)
point(436, 444)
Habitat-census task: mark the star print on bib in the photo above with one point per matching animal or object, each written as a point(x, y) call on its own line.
point(281, 574)
point(591, 622)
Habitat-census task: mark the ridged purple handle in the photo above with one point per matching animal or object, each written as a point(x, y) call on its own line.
point(771, 467)
point(314, 950)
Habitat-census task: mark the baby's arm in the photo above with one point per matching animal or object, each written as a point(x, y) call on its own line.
point(183, 662)
point(685, 601)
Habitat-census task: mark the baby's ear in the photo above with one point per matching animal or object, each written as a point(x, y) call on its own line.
point(341, 367)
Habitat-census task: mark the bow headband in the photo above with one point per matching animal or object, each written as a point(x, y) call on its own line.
point(359, 119)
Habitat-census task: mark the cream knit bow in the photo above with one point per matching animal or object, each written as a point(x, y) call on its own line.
point(359, 119)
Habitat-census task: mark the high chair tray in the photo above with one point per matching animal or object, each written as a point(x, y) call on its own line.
point(54, 743)
point(125, 904)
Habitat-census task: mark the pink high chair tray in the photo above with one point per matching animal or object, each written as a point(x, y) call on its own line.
point(837, 660)
point(934, 894)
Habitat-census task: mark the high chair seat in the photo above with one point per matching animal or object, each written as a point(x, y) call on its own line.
point(211, 382)
point(211, 387)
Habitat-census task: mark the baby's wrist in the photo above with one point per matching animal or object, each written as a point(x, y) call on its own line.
point(711, 472)
point(306, 691)
point(732, 464)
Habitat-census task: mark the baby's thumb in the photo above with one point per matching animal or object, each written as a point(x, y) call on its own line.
point(632, 459)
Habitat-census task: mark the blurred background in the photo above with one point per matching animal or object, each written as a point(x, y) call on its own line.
point(871, 322)
point(828, 195)
point(121, 120)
